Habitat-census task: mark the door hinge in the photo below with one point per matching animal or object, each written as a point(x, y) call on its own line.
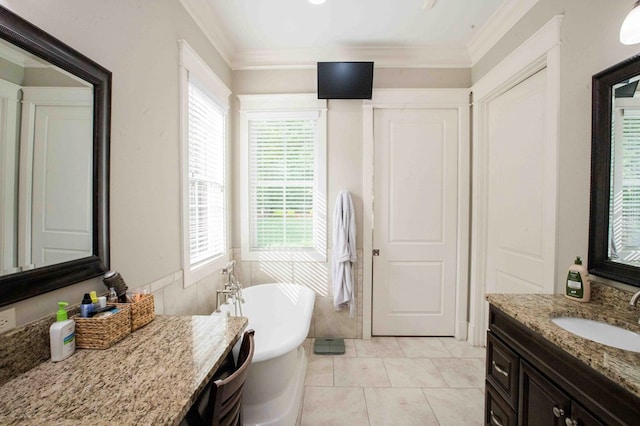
point(376, 252)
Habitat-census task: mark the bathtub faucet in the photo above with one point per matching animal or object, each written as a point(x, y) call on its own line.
point(232, 289)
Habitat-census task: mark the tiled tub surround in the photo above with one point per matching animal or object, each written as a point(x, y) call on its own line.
point(151, 377)
point(326, 321)
point(609, 305)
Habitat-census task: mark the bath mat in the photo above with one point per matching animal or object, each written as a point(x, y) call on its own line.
point(328, 346)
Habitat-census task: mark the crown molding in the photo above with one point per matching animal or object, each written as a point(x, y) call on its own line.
point(11, 55)
point(503, 19)
point(202, 13)
point(384, 57)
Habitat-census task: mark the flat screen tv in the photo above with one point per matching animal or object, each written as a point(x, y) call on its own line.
point(345, 80)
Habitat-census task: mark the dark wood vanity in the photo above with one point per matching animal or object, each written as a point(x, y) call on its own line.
point(532, 381)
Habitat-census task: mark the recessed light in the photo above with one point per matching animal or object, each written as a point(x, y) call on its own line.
point(316, 1)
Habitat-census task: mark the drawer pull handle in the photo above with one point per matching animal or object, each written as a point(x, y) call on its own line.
point(495, 420)
point(558, 412)
point(500, 370)
point(570, 422)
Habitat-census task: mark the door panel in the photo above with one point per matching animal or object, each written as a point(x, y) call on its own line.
point(541, 403)
point(521, 193)
point(62, 170)
point(415, 221)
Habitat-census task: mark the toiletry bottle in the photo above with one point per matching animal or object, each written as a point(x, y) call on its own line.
point(578, 286)
point(113, 296)
point(62, 335)
point(94, 299)
point(86, 307)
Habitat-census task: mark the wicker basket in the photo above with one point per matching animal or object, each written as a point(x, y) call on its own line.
point(142, 312)
point(102, 333)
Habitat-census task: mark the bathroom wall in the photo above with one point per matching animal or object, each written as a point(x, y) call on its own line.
point(344, 167)
point(589, 44)
point(137, 40)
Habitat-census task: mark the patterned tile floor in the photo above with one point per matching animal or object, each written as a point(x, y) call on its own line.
point(395, 381)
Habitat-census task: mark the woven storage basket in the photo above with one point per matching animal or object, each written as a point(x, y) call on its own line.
point(102, 333)
point(142, 312)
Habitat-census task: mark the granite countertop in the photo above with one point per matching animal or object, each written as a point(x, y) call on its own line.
point(151, 377)
point(536, 310)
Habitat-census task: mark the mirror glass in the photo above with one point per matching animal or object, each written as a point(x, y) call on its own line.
point(614, 222)
point(46, 141)
point(55, 106)
point(624, 199)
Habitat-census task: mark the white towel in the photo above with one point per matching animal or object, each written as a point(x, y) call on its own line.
point(344, 252)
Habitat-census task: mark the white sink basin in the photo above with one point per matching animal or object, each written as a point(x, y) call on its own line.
point(600, 332)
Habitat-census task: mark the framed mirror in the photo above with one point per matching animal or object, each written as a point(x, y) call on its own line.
point(614, 223)
point(54, 162)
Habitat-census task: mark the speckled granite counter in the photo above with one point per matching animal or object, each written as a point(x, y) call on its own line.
point(149, 378)
point(536, 310)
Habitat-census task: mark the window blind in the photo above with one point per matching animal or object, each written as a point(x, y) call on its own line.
point(624, 194)
point(206, 175)
point(631, 180)
point(281, 182)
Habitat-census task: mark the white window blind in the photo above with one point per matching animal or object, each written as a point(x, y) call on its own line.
point(625, 193)
point(206, 130)
point(282, 176)
point(283, 146)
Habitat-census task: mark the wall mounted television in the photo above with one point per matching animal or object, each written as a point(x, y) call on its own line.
point(345, 80)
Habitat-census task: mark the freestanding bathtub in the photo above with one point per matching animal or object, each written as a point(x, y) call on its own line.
point(280, 314)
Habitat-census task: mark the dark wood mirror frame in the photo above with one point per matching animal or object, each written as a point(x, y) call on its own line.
point(602, 85)
point(23, 285)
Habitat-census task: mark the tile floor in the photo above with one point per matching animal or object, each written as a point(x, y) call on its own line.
point(395, 381)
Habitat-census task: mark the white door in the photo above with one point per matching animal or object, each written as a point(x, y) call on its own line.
point(521, 204)
point(62, 178)
point(415, 222)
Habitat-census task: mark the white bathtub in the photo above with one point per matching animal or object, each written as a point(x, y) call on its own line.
point(280, 314)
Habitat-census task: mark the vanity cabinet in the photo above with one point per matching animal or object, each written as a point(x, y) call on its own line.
point(531, 381)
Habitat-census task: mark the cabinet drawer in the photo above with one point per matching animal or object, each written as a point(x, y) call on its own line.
point(502, 369)
point(497, 412)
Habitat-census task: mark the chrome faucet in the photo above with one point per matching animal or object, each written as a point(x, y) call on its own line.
point(634, 301)
point(232, 289)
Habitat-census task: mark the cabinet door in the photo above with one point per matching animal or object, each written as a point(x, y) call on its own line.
point(541, 402)
point(580, 417)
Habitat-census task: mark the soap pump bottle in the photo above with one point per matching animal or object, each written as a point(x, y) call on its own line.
point(62, 335)
point(578, 286)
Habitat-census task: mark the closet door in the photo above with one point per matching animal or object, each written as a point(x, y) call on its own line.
point(521, 204)
point(62, 176)
point(56, 175)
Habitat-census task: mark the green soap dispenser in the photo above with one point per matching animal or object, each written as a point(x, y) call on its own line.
point(578, 286)
point(62, 335)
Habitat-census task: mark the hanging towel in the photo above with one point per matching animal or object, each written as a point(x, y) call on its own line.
point(344, 252)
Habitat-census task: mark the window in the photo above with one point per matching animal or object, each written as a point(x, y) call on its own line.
point(284, 177)
point(204, 103)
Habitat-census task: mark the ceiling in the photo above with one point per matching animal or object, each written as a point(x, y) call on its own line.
point(295, 33)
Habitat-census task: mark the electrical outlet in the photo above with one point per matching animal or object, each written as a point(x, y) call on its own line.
point(7, 320)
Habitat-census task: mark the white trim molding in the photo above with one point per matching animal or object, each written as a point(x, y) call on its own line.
point(540, 51)
point(503, 19)
point(285, 106)
point(384, 57)
point(201, 12)
point(418, 98)
point(192, 63)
